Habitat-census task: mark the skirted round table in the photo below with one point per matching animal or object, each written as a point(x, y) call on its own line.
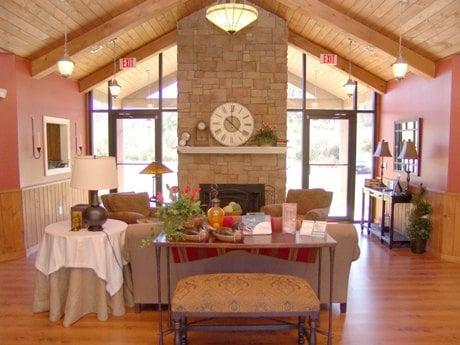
point(82, 272)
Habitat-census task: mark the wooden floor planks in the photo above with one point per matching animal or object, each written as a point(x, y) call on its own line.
point(394, 298)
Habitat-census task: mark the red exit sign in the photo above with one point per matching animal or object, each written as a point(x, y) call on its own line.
point(127, 63)
point(328, 59)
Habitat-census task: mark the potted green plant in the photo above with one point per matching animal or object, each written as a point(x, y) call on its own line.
point(182, 215)
point(266, 135)
point(420, 224)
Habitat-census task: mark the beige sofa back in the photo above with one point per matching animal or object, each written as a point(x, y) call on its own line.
point(143, 264)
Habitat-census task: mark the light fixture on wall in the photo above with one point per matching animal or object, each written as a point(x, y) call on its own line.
point(78, 142)
point(64, 64)
point(36, 142)
point(400, 66)
point(350, 85)
point(114, 87)
point(231, 15)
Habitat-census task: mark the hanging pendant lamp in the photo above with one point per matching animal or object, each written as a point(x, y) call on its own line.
point(350, 85)
point(65, 65)
point(400, 66)
point(231, 15)
point(114, 87)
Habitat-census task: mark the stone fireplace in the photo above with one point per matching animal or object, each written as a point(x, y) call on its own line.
point(249, 68)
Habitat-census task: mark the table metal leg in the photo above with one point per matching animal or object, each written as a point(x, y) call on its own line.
point(160, 313)
point(369, 215)
point(168, 273)
point(392, 214)
point(331, 283)
point(319, 273)
point(382, 222)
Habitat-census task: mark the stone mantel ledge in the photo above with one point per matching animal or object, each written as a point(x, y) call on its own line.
point(233, 150)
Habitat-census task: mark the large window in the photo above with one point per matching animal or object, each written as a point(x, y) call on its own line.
point(330, 134)
point(140, 125)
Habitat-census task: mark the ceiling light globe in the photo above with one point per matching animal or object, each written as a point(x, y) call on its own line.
point(115, 88)
point(349, 87)
point(65, 66)
point(232, 16)
point(400, 68)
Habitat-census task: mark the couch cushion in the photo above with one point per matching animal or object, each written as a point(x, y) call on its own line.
point(135, 202)
point(308, 199)
point(244, 293)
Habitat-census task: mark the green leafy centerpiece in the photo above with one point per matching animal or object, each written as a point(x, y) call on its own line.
point(266, 135)
point(183, 217)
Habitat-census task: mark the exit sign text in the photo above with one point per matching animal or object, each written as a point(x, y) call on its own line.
point(128, 62)
point(328, 59)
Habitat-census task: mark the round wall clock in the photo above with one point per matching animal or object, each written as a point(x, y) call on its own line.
point(231, 124)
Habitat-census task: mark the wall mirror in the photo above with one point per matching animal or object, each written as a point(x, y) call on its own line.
point(56, 144)
point(407, 130)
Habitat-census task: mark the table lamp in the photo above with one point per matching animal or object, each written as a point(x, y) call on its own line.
point(382, 151)
point(408, 153)
point(94, 173)
point(155, 168)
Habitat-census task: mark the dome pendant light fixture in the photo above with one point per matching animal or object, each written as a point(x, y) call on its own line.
point(64, 64)
point(231, 15)
point(400, 66)
point(114, 87)
point(350, 85)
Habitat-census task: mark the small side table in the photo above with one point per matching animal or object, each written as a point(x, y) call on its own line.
point(81, 272)
point(391, 236)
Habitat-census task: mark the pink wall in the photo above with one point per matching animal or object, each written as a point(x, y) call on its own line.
point(453, 183)
point(50, 96)
point(429, 99)
point(9, 165)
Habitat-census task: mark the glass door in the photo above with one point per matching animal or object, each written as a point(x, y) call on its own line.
point(330, 159)
point(135, 150)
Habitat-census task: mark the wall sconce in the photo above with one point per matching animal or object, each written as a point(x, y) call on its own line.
point(78, 142)
point(36, 142)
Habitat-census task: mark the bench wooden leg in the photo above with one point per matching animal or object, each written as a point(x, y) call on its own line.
point(312, 340)
point(177, 333)
point(343, 308)
point(301, 327)
point(184, 331)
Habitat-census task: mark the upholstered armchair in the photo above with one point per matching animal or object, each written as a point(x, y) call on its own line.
point(128, 207)
point(312, 204)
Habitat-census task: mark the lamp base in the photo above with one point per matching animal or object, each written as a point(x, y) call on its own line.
point(95, 216)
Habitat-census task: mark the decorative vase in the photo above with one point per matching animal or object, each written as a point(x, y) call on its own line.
point(216, 214)
point(418, 246)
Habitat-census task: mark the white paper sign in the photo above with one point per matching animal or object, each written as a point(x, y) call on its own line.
point(307, 227)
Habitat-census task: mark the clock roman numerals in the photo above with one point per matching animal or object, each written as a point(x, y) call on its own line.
point(231, 124)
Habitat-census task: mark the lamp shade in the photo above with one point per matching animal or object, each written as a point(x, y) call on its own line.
point(231, 16)
point(382, 149)
point(94, 173)
point(408, 151)
point(155, 168)
point(400, 68)
point(115, 88)
point(349, 87)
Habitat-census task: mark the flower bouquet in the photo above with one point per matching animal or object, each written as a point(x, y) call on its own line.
point(266, 135)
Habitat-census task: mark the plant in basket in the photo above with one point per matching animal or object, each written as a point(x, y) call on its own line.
point(183, 217)
point(266, 135)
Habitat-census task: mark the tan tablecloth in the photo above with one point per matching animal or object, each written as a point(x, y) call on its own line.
point(75, 292)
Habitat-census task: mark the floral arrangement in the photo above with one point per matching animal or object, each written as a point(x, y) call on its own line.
point(173, 192)
point(266, 135)
point(183, 214)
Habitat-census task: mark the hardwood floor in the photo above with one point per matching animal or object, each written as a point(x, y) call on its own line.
point(394, 298)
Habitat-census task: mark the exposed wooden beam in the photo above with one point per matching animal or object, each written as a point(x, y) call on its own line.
point(366, 77)
point(104, 73)
point(46, 63)
point(332, 17)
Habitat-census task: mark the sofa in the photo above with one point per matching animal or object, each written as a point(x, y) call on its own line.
point(143, 264)
point(312, 204)
point(128, 207)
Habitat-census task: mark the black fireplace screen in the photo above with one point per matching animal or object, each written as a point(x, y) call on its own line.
point(251, 197)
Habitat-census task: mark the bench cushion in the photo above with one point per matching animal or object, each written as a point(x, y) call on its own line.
point(244, 293)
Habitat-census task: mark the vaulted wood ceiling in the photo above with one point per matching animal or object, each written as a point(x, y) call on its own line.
point(34, 29)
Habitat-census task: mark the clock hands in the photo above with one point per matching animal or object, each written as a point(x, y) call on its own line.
point(233, 125)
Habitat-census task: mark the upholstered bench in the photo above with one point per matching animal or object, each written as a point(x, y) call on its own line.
point(247, 295)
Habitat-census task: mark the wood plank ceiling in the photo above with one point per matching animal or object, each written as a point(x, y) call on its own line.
point(33, 28)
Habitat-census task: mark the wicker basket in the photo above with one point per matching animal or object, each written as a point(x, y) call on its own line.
point(228, 235)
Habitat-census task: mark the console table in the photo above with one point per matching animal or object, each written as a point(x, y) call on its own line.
point(391, 236)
